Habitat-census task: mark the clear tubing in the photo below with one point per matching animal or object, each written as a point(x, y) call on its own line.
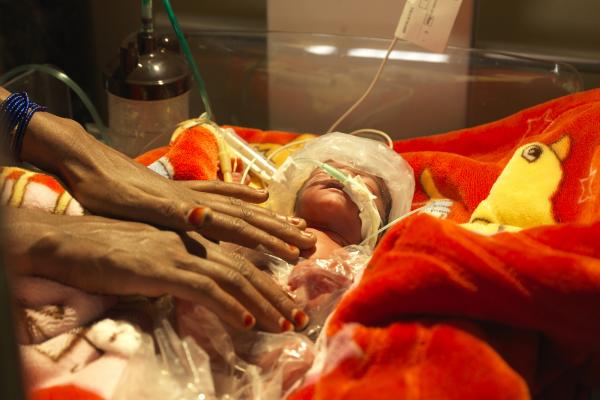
point(252, 158)
point(334, 172)
point(330, 170)
point(61, 76)
point(273, 154)
point(147, 22)
point(246, 172)
point(190, 59)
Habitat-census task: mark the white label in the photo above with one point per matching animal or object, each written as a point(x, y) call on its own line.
point(428, 23)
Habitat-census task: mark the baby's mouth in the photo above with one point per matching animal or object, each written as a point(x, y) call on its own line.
point(333, 184)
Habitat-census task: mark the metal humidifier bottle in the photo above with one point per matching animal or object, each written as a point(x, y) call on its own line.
point(148, 87)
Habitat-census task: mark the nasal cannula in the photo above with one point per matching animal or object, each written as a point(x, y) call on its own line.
point(343, 178)
point(329, 169)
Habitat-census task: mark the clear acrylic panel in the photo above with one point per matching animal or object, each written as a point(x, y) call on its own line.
point(304, 82)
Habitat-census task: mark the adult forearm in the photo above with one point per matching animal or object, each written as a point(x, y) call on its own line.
point(28, 236)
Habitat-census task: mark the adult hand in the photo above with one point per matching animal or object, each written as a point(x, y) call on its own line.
point(108, 183)
point(264, 283)
point(106, 256)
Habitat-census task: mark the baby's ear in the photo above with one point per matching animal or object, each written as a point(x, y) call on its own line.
point(298, 198)
point(386, 197)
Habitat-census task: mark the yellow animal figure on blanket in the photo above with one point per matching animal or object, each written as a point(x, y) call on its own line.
point(522, 195)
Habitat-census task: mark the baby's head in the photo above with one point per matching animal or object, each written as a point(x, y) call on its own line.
point(307, 191)
point(323, 203)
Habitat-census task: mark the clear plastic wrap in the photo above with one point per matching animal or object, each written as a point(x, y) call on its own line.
point(331, 351)
point(180, 372)
point(214, 361)
point(318, 285)
point(249, 365)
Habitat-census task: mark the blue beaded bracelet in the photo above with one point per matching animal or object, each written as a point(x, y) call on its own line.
point(15, 113)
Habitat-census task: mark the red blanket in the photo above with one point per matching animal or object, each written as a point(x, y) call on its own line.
point(446, 313)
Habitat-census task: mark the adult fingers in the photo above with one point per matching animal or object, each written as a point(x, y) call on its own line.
point(243, 192)
point(233, 282)
point(258, 278)
point(279, 227)
point(178, 215)
point(209, 198)
point(264, 284)
point(184, 216)
point(200, 289)
point(226, 228)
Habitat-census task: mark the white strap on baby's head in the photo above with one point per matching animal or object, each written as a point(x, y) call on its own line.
point(368, 213)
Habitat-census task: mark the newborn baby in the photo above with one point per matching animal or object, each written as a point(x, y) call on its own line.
point(339, 218)
point(376, 186)
point(372, 185)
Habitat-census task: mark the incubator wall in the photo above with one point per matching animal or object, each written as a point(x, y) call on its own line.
point(303, 82)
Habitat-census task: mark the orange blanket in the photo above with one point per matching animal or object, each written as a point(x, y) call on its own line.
point(447, 313)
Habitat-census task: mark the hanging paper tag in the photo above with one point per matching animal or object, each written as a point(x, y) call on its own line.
point(428, 23)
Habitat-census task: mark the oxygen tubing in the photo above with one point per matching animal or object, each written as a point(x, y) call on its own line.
point(64, 78)
point(190, 59)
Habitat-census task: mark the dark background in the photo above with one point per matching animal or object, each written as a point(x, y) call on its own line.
point(80, 36)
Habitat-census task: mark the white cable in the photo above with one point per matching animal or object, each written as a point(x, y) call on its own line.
point(416, 210)
point(369, 89)
point(382, 134)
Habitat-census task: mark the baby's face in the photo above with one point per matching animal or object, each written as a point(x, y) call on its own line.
point(325, 206)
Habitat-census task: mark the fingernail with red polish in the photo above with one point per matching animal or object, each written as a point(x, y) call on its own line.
point(300, 318)
point(293, 248)
point(296, 220)
point(200, 216)
point(285, 325)
point(249, 321)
